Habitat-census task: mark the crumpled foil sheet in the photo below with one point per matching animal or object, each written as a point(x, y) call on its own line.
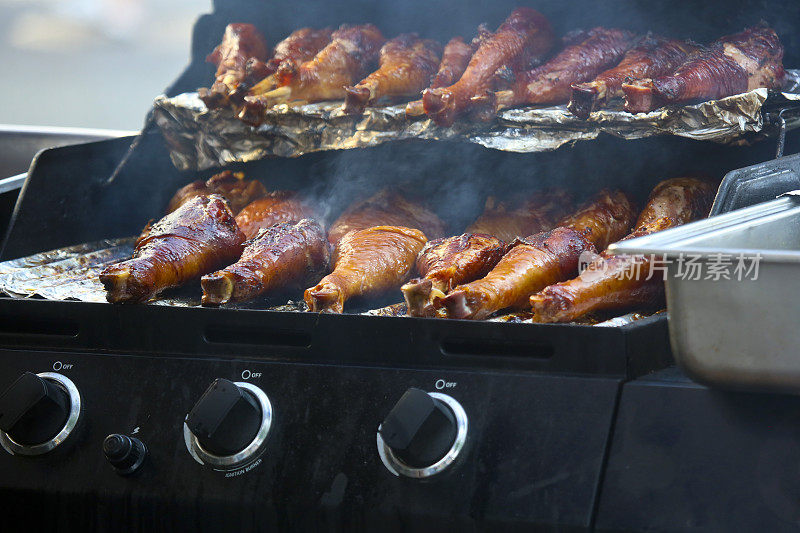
point(65, 274)
point(199, 138)
point(400, 310)
point(73, 273)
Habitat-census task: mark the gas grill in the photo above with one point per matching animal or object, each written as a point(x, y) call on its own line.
point(543, 419)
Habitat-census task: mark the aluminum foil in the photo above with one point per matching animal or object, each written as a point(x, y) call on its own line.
point(73, 273)
point(589, 320)
point(199, 138)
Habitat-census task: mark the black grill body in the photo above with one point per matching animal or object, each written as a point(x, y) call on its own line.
point(541, 399)
point(687, 457)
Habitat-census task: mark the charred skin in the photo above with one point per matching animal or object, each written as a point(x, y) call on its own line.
point(273, 208)
point(199, 237)
point(600, 287)
point(525, 31)
point(542, 259)
point(539, 213)
point(446, 263)
point(455, 59)
point(681, 200)
point(386, 208)
point(285, 255)
point(343, 61)
point(603, 219)
point(231, 185)
point(532, 264)
point(367, 262)
point(731, 65)
point(653, 56)
point(300, 46)
point(239, 43)
point(351, 50)
point(626, 281)
point(551, 83)
point(406, 66)
point(255, 72)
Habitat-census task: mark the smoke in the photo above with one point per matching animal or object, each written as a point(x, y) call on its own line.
point(454, 179)
point(447, 177)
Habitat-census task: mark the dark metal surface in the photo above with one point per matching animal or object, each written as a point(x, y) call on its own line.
point(18, 145)
point(688, 458)
point(757, 183)
point(630, 350)
point(65, 189)
point(532, 459)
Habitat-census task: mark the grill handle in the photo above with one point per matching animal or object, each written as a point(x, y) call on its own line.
point(777, 117)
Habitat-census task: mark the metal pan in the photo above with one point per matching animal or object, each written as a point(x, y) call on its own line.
point(735, 331)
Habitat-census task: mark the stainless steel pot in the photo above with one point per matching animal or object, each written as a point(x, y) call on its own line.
point(734, 331)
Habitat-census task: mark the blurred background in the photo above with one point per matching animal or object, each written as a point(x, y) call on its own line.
point(90, 63)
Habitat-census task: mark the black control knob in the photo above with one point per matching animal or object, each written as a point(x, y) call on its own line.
point(420, 429)
point(33, 410)
point(126, 454)
point(226, 419)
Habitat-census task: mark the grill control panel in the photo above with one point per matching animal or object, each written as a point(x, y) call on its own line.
point(234, 444)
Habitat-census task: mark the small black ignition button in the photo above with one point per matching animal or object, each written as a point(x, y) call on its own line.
point(126, 454)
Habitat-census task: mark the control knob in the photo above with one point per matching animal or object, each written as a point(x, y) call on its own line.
point(422, 434)
point(228, 426)
point(38, 412)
